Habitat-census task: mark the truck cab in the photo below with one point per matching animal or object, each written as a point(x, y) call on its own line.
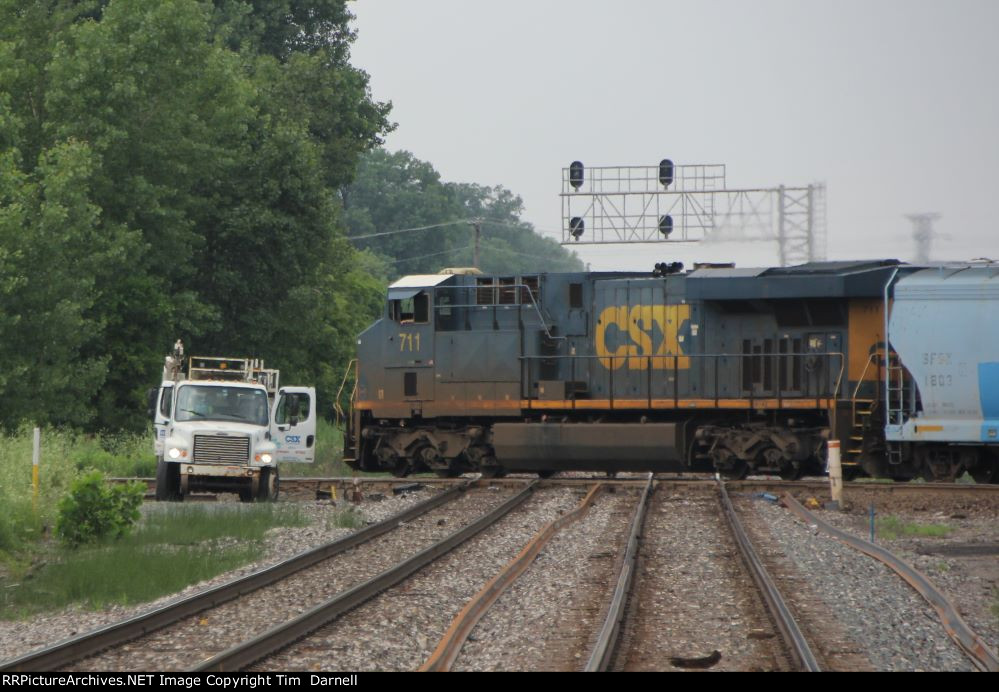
point(225, 424)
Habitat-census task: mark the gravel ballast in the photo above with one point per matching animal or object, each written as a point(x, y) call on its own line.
point(398, 630)
point(897, 629)
point(20, 637)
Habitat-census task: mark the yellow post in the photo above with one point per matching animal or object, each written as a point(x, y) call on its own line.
point(35, 458)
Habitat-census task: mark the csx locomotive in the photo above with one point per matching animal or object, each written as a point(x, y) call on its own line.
point(719, 368)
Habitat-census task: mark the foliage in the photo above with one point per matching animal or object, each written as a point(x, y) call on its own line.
point(169, 170)
point(174, 546)
point(187, 169)
point(93, 511)
point(398, 191)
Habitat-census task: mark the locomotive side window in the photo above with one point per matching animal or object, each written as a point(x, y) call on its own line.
point(531, 288)
point(485, 293)
point(415, 309)
point(575, 295)
point(409, 384)
point(507, 290)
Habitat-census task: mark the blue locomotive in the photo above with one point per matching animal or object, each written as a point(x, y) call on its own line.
point(718, 368)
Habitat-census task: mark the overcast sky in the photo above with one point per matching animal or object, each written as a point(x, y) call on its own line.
point(893, 105)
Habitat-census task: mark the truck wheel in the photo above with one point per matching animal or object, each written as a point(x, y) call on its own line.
point(167, 482)
point(267, 491)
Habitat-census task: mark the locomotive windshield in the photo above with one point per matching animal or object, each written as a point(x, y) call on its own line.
point(234, 404)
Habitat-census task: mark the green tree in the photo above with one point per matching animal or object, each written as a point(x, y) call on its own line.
point(182, 157)
point(395, 190)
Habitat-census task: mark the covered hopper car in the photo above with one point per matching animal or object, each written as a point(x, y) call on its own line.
point(719, 368)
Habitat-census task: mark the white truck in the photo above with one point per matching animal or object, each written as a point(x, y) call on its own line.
point(225, 424)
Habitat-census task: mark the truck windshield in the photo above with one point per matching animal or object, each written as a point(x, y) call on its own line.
point(238, 404)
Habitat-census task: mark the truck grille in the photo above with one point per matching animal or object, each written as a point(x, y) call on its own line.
point(215, 449)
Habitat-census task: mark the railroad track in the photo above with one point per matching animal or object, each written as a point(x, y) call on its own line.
point(318, 487)
point(625, 638)
point(615, 638)
point(607, 638)
point(138, 643)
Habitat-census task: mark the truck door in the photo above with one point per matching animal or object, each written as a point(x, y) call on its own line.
point(161, 416)
point(293, 424)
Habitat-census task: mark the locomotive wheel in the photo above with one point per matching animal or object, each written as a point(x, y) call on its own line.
point(739, 470)
point(401, 469)
point(447, 473)
point(547, 473)
point(851, 473)
point(791, 472)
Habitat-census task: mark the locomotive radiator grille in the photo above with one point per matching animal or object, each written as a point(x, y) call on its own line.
point(215, 449)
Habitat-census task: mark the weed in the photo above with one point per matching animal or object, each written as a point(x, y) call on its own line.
point(891, 528)
point(347, 518)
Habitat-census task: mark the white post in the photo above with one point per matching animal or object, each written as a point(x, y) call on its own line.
point(835, 473)
point(36, 455)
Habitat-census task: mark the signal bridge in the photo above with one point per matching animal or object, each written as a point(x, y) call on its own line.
point(671, 203)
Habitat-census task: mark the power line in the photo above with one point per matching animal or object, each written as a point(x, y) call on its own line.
point(498, 248)
point(432, 254)
point(406, 230)
point(526, 226)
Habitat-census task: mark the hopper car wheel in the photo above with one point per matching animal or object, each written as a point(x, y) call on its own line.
point(984, 474)
point(447, 473)
point(547, 473)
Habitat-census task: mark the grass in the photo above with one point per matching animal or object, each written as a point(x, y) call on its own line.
point(173, 547)
point(329, 457)
point(891, 528)
point(346, 518)
point(65, 454)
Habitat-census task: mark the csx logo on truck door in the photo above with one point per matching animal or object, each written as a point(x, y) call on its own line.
point(625, 331)
point(292, 439)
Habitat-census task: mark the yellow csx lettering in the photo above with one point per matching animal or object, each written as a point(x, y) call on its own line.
point(639, 322)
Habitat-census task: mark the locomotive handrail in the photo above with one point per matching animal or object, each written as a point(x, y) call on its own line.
point(779, 392)
point(337, 408)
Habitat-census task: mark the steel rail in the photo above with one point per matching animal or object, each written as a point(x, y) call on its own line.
point(607, 638)
point(449, 646)
point(70, 650)
point(958, 630)
point(802, 654)
point(277, 638)
point(690, 478)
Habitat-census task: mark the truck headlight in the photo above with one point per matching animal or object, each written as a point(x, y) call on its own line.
point(174, 453)
point(266, 458)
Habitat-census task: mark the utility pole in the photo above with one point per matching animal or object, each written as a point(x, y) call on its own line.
point(923, 233)
point(478, 233)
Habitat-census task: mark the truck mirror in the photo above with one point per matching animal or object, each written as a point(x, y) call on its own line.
point(151, 402)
